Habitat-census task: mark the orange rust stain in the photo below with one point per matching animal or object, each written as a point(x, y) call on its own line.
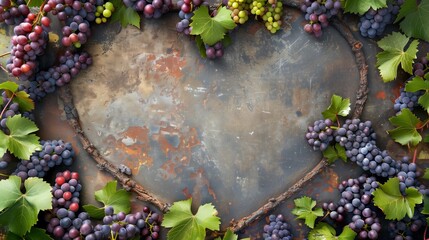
point(396, 92)
point(186, 192)
point(172, 64)
point(332, 179)
point(135, 155)
point(169, 168)
point(299, 100)
point(381, 95)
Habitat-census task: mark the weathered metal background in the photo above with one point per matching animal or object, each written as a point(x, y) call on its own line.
point(229, 131)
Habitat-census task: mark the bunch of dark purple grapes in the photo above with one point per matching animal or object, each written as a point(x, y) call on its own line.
point(53, 153)
point(143, 225)
point(421, 66)
point(277, 229)
point(320, 134)
point(318, 14)
point(355, 202)
point(13, 12)
point(69, 66)
point(150, 8)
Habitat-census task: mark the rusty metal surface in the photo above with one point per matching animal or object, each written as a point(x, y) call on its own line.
point(227, 131)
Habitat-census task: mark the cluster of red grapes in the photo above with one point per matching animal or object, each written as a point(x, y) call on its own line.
point(318, 14)
point(29, 42)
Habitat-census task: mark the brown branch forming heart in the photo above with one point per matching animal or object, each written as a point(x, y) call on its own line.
point(144, 195)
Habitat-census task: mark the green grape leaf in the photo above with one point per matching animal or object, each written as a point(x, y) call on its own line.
point(347, 234)
point(394, 53)
point(414, 18)
point(425, 205)
point(362, 6)
point(20, 215)
point(125, 15)
point(20, 142)
point(185, 225)
point(389, 199)
point(26, 104)
point(211, 29)
point(332, 153)
point(230, 235)
point(34, 3)
point(200, 46)
point(304, 210)
point(324, 231)
point(9, 86)
point(34, 234)
point(110, 196)
point(339, 106)
point(406, 128)
point(94, 212)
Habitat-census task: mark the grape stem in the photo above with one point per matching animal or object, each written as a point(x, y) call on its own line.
point(424, 234)
point(4, 54)
point(415, 155)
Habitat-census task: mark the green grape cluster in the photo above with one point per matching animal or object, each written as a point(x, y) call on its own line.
point(240, 10)
point(258, 7)
point(104, 12)
point(272, 18)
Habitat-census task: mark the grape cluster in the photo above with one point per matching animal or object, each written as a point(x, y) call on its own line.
point(13, 12)
point(240, 10)
point(318, 14)
point(104, 12)
point(320, 134)
point(53, 153)
point(421, 67)
point(355, 201)
point(69, 66)
point(272, 17)
point(406, 100)
point(277, 229)
point(407, 227)
point(29, 41)
point(65, 202)
point(76, 16)
point(124, 169)
point(150, 8)
point(145, 225)
point(358, 138)
point(374, 22)
point(215, 51)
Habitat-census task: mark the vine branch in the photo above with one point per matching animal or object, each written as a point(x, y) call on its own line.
point(128, 183)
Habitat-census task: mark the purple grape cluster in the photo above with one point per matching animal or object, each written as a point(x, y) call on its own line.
point(318, 14)
point(406, 228)
point(28, 43)
point(355, 201)
point(215, 51)
point(150, 8)
point(142, 225)
point(5, 160)
point(359, 140)
point(69, 66)
point(66, 192)
point(277, 229)
point(320, 134)
point(406, 100)
point(76, 16)
point(53, 153)
point(373, 22)
point(13, 12)
point(186, 12)
point(421, 66)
